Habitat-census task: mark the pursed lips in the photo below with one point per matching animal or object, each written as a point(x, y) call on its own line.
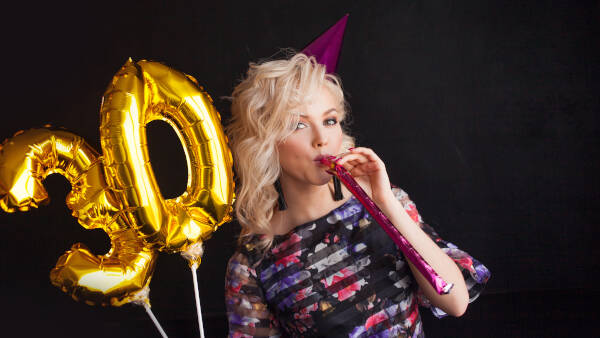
point(319, 159)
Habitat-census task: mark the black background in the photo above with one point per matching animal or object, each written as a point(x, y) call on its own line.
point(486, 112)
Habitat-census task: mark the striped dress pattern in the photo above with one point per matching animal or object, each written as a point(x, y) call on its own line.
point(337, 276)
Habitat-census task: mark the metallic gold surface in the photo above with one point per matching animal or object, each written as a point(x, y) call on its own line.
point(25, 161)
point(117, 192)
point(147, 91)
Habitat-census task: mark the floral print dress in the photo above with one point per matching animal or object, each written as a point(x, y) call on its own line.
point(337, 276)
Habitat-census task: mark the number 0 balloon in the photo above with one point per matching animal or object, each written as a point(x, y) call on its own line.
point(148, 91)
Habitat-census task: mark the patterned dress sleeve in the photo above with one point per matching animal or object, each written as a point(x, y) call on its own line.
point(475, 274)
point(247, 311)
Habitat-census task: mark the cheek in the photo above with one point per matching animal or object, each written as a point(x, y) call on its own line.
point(287, 148)
point(289, 151)
point(338, 139)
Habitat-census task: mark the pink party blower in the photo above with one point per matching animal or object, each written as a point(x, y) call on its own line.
point(440, 286)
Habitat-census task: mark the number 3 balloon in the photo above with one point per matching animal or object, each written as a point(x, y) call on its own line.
point(117, 192)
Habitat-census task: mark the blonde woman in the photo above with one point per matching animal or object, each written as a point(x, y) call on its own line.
point(311, 261)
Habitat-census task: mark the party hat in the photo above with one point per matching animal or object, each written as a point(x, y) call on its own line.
point(326, 48)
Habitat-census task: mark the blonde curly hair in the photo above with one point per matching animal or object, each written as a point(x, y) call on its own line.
point(262, 116)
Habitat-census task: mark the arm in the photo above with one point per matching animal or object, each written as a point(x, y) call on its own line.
point(455, 303)
point(369, 170)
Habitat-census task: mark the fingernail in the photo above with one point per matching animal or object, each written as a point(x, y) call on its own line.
point(351, 148)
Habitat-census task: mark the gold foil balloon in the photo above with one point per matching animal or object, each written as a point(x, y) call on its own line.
point(25, 161)
point(148, 91)
point(117, 192)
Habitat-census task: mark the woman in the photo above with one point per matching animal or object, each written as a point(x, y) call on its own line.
point(311, 261)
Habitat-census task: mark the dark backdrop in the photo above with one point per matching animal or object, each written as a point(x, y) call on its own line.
point(486, 112)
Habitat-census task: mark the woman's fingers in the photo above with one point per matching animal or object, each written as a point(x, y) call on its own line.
point(351, 162)
point(359, 155)
point(360, 161)
point(367, 152)
point(352, 158)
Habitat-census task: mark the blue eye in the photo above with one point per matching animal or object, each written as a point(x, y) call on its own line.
point(300, 125)
point(331, 122)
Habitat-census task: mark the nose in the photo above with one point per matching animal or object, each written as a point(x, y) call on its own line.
point(320, 138)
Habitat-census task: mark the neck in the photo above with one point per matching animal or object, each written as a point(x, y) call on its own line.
point(305, 202)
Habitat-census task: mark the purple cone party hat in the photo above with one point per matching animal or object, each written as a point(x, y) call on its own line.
point(326, 48)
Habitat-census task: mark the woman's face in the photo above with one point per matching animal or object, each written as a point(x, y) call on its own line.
point(317, 133)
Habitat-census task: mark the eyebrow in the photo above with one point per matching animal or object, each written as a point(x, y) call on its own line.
point(324, 113)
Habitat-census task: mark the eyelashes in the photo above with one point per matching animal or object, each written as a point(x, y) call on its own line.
point(301, 125)
point(328, 123)
point(331, 121)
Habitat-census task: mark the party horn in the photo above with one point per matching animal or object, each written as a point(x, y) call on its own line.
point(440, 285)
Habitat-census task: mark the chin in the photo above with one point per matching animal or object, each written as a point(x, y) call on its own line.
point(322, 180)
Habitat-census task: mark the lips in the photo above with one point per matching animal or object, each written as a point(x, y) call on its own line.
point(327, 161)
point(325, 158)
point(320, 158)
point(319, 161)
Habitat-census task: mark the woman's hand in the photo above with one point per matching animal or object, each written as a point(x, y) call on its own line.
point(363, 163)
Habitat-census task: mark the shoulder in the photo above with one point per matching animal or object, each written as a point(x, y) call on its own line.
point(247, 253)
point(239, 266)
point(239, 257)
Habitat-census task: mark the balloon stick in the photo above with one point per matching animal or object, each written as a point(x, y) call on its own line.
point(154, 320)
point(197, 294)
